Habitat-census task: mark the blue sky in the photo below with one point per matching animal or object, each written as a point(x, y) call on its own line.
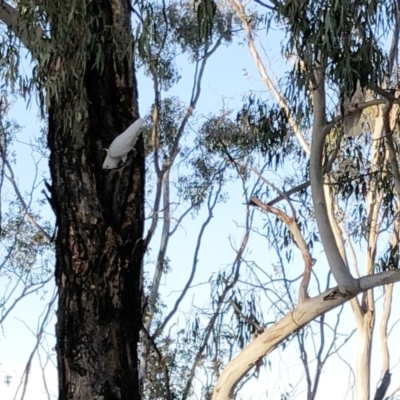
point(224, 79)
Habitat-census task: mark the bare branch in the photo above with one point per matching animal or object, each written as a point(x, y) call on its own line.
point(336, 263)
point(285, 195)
point(220, 302)
point(384, 325)
point(211, 205)
point(387, 308)
point(39, 337)
point(28, 215)
point(278, 190)
point(291, 323)
point(298, 239)
point(281, 100)
point(265, 5)
point(351, 247)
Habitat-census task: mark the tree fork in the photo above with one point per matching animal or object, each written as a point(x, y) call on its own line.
point(99, 213)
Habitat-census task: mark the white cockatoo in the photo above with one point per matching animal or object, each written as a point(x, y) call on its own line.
point(352, 123)
point(122, 145)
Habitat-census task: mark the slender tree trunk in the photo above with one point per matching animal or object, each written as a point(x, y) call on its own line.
point(364, 344)
point(99, 213)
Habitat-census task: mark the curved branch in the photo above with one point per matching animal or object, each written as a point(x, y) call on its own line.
point(288, 325)
point(285, 195)
point(220, 303)
point(281, 100)
point(298, 240)
point(337, 265)
point(211, 205)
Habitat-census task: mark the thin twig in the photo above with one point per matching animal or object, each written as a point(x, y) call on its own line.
point(11, 179)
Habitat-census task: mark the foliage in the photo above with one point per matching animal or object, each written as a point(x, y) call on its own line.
point(196, 164)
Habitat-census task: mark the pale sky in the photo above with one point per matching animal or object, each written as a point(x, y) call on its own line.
point(229, 76)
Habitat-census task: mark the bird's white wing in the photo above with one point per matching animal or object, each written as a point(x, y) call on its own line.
point(111, 163)
point(124, 142)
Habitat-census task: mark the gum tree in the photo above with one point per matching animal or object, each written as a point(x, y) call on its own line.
point(84, 71)
point(331, 51)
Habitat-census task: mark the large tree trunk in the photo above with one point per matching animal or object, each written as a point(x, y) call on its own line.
point(99, 213)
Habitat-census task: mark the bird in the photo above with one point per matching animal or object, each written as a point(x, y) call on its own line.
point(352, 122)
point(122, 145)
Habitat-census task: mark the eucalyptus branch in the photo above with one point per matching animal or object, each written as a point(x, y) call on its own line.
point(394, 48)
point(210, 206)
point(288, 193)
point(321, 360)
point(220, 302)
point(30, 36)
point(162, 251)
point(43, 368)
point(387, 308)
point(337, 265)
point(159, 173)
point(331, 205)
point(182, 216)
point(281, 100)
point(298, 239)
point(362, 106)
point(162, 190)
point(304, 360)
point(196, 91)
point(333, 349)
point(39, 337)
point(159, 269)
point(351, 247)
point(11, 179)
point(34, 288)
point(162, 363)
point(384, 327)
point(248, 320)
point(155, 143)
point(174, 153)
point(305, 312)
point(278, 190)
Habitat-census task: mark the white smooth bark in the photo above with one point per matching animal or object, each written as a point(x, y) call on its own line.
point(306, 312)
point(240, 11)
point(346, 283)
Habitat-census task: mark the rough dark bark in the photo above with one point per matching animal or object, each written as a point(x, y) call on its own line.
point(99, 213)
